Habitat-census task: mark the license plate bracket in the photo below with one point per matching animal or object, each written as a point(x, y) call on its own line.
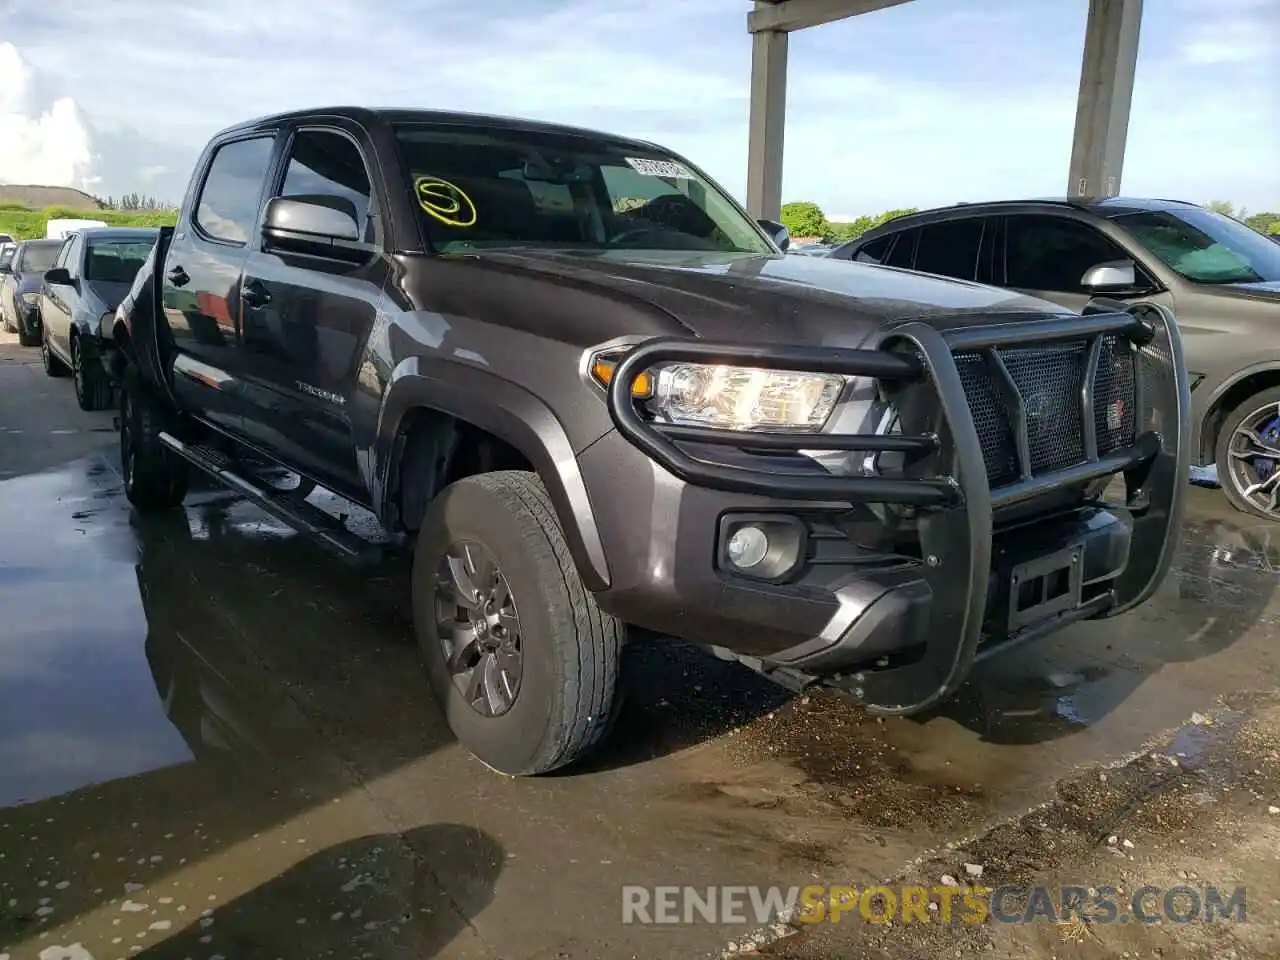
point(1045, 586)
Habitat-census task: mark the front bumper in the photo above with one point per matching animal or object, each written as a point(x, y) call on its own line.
point(28, 318)
point(983, 567)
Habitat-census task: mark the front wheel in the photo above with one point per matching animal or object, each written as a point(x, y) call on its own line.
point(53, 367)
point(155, 477)
point(1248, 455)
point(518, 655)
point(93, 389)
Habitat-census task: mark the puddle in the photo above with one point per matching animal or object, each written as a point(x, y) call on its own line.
point(1192, 741)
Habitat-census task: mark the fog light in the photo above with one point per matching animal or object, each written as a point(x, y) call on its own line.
point(747, 547)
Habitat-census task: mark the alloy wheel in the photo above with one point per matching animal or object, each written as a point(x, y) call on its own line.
point(479, 628)
point(1254, 459)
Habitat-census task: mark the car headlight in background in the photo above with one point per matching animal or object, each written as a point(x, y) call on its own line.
point(30, 299)
point(732, 398)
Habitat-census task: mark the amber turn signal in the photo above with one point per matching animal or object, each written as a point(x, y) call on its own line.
point(602, 370)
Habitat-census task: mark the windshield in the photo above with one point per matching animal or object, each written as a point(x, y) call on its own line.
point(491, 189)
point(37, 257)
point(116, 260)
point(1204, 246)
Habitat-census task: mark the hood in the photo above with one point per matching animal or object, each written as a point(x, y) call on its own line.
point(775, 299)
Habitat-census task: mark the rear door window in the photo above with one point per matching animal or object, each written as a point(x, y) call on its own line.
point(950, 248)
point(232, 191)
point(903, 253)
point(874, 251)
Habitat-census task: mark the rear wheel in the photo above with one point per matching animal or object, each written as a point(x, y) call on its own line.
point(93, 389)
point(155, 477)
point(27, 339)
point(53, 367)
point(518, 655)
point(1248, 455)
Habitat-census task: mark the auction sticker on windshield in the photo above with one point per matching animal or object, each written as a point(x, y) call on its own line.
point(660, 168)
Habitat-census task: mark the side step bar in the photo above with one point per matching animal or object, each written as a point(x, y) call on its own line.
point(308, 520)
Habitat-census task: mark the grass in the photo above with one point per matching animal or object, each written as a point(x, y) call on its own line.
point(24, 223)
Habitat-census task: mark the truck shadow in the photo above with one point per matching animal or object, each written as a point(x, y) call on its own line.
point(408, 894)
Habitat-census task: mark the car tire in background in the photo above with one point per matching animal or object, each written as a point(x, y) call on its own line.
point(1259, 414)
point(27, 339)
point(53, 367)
point(93, 388)
point(529, 618)
point(155, 478)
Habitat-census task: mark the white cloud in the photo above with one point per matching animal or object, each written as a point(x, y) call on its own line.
point(48, 145)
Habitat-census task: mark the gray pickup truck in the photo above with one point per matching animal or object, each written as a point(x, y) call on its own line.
point(599, 404)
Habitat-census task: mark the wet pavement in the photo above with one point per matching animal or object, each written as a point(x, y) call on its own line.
point(215, 740)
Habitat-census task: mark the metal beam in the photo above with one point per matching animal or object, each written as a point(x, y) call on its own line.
point(767, 124)
point(1106, 94)
point(788, 15)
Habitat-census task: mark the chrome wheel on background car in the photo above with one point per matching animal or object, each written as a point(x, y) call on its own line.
point(479, 628)
point(1248, 455)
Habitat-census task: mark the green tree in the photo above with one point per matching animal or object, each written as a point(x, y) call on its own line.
point(856, 228)
point(805, 219)
point(1225, 207)
point(1264, 222)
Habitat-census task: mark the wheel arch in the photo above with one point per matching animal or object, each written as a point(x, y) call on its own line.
point(1229, 395)
point(420, 392)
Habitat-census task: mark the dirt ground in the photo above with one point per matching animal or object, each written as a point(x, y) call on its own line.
point(1199, 809)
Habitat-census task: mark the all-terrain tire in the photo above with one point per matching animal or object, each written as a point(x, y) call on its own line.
point(53, 367)
point(93, 388)
point(155, 478)
point(569, 647)
point(1247, 410)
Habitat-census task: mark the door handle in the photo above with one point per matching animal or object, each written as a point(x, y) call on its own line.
point(178, 276)
point(255, 294)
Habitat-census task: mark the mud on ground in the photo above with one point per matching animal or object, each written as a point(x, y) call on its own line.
point(1197, 809)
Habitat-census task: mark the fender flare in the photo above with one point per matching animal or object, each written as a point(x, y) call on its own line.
point(1220, 391)
point(510, 413)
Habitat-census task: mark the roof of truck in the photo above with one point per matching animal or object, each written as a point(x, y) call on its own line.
point(411, 115)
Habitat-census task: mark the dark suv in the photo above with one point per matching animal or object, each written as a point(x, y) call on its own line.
point(592, 394)
point(1220, 278)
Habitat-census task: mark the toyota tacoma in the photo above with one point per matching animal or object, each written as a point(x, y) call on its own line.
point(598, 402)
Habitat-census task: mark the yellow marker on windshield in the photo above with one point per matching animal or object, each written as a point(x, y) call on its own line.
point(445, 201)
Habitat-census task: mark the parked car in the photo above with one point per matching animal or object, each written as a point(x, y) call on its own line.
point(20, 281)
point(1219, 277)
point(590, 416)
point(78, 300)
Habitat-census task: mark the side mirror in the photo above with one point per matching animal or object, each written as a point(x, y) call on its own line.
point(312, 224)
point(1113, 273)
point(57, 275)
point(778, 232)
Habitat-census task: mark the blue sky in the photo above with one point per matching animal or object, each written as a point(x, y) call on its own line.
point(926, 103)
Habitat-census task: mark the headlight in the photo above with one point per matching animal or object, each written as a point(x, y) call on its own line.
point(744, 398)
point(30, 299)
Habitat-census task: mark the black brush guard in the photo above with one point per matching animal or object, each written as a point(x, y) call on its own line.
point(946, 482)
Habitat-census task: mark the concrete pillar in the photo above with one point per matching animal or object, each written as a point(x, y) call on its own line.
point(768, 119)
point(1106, 94)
